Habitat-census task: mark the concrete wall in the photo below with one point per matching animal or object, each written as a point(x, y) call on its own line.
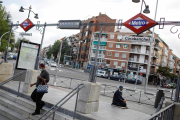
point(31, 77)
point(6, 71)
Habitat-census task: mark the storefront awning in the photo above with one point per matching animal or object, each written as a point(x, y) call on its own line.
point(101, 43)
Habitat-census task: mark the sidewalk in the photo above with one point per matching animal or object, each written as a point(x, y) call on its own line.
point(106, 111)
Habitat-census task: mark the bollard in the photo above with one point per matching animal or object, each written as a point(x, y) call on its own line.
point(159, 95)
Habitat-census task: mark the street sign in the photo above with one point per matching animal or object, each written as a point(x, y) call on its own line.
point(140, 23)
point(26, 25)
point(25, 34)
point(138, 39)
point(69, 24)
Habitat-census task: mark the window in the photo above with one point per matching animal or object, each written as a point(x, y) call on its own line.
point(115, 63)
point(125, 46)
point(87, 26)
point(94, 51)
point(119, 37)
point(124, 55)
point(83, 56)
point(109, 53)
point(110, 45)
point(116, 54)
point(84, 48)
point(122, 64)
point(108, 62)
point(111, 36)
point(118, 45)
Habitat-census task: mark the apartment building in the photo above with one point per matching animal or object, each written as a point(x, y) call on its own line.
point(85, 37)
point(117, 49)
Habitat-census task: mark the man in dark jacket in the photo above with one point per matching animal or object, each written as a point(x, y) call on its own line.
point(118, 100)
point(35, 96)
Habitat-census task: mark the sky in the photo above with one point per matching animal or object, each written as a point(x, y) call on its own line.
point(51, 11)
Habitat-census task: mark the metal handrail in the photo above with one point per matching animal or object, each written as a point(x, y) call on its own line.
point(15, 76)
point(160, 104)
point(161, 111)
point(68, 77)
point(69, 95)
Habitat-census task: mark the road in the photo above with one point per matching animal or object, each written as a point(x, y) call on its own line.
point(68, 78)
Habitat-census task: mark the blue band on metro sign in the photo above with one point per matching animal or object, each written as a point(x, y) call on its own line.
point(138, 22)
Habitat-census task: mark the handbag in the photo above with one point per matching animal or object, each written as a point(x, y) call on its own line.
point(42, 88)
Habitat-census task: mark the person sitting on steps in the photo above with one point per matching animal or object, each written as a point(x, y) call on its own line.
point(118, 100)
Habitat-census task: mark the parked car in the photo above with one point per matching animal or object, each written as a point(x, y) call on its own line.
point(101, 73)
point(133, 80)
point(53, 64)
point(171, 85)
point(115, 77)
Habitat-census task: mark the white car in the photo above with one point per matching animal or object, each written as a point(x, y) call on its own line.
point(53, 64)
point(101, 73)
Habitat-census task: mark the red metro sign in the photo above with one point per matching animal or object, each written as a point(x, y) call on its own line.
point(26, 25)
point(140, 23)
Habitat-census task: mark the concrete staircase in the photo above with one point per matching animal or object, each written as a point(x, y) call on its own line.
point(17, 108)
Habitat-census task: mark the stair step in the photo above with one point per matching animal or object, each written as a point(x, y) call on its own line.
point(11, 114)
point(3, 118)
point(25, 107)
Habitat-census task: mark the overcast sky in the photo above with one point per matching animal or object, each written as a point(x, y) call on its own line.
point(51, 11)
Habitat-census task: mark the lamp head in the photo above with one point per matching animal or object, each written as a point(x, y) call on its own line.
point(136, 1)
point(36, 16)
point(21, 9)
point(1, 2)
point(146, 10)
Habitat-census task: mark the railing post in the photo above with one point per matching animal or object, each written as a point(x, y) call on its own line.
point(105, 90)
point(76, 104)
point(53, 115)
point(19, 85)
point(70, 84)
point(140, 98)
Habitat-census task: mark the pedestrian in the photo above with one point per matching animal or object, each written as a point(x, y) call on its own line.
point(118, 100)
point(42, 79)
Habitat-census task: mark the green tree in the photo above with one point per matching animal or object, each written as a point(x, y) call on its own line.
point(55, 49)
point(5, 19)
point(18, 41)
point(166, 72)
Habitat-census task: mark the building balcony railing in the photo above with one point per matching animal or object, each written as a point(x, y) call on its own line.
point(145, 61)
point(156, 56)
point(101, 39)
point(100, 47)
point(140, 43)
point(154, 64)
point(135, 50)
point(99, 55)
point(156, 47)
point(98, 63)
point(133, 60)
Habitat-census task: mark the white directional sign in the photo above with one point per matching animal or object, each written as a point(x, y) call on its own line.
point(69, 24)
point(140, 39)
point(25, 34)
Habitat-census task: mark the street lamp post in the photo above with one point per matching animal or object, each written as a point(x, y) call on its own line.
point(59, 57)
point(151, 43)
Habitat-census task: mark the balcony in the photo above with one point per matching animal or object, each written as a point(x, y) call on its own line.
point(156, 47)
point(133, 60)
point(147, 52)
point(177, 68)
point(99, 55)
point(154, 64)
point(163, 64)
point(100, 47)
point(178, 62)
point(135, 50)
point(101, 39)
point(140, 43)
point(145, 61)
point(156, 56)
